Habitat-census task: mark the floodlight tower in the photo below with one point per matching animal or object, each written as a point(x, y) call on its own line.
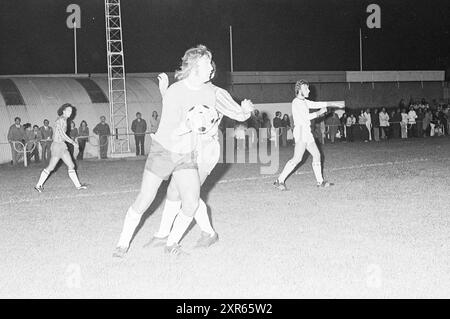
point(116, 80)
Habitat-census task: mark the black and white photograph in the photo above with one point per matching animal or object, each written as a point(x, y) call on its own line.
point(235, 152)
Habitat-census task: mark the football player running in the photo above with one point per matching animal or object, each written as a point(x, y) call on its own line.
point(59, 150)
point(208, 150)
point(303, 137)
point(172, 153)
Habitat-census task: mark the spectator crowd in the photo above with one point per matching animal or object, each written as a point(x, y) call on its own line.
point(38, 139)
point(418, 119)
point(412, 120)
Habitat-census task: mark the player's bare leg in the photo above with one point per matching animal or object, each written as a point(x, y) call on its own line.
point(172, 208)
point(67, 159)
point(187, 182)
point(45, 173)
point(317, 165)
point(149, 187)
point(299, 150)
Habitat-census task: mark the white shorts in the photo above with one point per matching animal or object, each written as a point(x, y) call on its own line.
point(303, 136)
point(59, 149)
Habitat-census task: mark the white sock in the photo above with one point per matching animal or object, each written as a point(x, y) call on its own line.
point(288, 168)
point(129, 226)
point(170, 211)
point(202, 218)
point(43, 177)
point(317, 168)
point(180, 225)
point(73, 176)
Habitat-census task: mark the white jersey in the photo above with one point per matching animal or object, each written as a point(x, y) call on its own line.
point(302, 118)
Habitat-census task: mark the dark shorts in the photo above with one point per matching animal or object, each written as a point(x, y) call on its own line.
point(163, 162)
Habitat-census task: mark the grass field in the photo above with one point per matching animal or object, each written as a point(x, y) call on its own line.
point(382, 232)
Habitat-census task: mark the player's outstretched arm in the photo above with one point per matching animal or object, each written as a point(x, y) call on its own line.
point(227, 106)
point(163, 83)
point(315, 105)
point(314, 115)
point(338, 104)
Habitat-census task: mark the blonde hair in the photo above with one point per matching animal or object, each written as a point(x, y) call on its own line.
point(299, 84)
point(190, 59)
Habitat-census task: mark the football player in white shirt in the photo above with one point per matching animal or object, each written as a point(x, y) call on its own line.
point(303, 137)
point(172, 154)
point(208, 150)
point(59, 150)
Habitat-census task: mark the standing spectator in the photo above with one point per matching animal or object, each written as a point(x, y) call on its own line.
point(433, 123)
point(318, 129)
point(266, 124)
point(286, 121)
point(362, 128)
point(420, 117)
point(154, 122)
point(46, 141)
point(239, 134)
point(277, 125)
point(343, 126)
point(426, 123)
point(351, 122)
point(83, 137)
point(16, 133)
point(443, 118)
point(277, 120)
point(32, 142)
point(37, 138)
point(376, 125)
point(286, 127)
point(333, 123)
point(412, 116)
point(256, 121)
point(73, 134)
point(404, 124)
point(384, 123)
point(139, 127)
point(368, 117)
point(103, 132)
point(396, 118)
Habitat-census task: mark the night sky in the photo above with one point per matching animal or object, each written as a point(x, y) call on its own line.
point(269, 35)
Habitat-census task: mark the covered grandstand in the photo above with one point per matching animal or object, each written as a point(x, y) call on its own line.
point(37, 97)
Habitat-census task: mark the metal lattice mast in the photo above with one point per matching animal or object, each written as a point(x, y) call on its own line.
point(116, 79)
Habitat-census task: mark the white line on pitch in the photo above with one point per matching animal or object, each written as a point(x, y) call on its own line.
point(333, 169)
point(241, 179)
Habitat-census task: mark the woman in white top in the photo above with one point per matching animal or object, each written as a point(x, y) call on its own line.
point(384, 122)
point(361, 128)
point(368, 122)
point(303, 137)
point(404, 124)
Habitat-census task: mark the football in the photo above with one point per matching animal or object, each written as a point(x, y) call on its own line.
point(201, 118)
